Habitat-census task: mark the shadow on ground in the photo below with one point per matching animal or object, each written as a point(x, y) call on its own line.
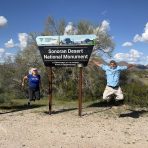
point(133, 114)
point(61, 111)
point(103, 104)
point(16, 108)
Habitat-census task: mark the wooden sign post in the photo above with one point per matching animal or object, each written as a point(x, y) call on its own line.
point(80, 88)
point(66, 51)
point(50, 89)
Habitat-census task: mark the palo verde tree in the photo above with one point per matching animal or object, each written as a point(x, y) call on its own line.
point(67, 78)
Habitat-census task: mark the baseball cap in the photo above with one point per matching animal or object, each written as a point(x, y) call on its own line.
point(34, 68)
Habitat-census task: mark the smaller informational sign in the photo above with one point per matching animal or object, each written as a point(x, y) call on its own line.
point(66, 40)
point(66, 51)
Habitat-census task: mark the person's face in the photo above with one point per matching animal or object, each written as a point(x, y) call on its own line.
point(34, 72)
point(113, 65)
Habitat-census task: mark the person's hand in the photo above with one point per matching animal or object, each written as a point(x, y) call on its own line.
point(23, 84)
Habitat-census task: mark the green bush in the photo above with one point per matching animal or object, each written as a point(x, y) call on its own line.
point(5, 98)
point(136, 93)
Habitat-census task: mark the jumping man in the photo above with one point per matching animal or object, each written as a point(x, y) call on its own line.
point(113, 75)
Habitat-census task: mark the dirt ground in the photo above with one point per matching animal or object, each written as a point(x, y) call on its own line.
point(99, 127)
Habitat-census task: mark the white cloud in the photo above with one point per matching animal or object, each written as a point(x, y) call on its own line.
point(10, 44)
point(2, 50)
point(3, 21)
point(10, 55)
point(143, 37)
point(23, 38)
point(103, 28)
point(2, 53)
point(121, 56)
point(101, 34)
point(5, 55)
point(137, 38)
point(127, 44)
point(133, 56)
point(70, 29)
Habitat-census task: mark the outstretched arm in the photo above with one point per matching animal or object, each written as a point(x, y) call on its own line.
point(23, 82)
point(97, 63)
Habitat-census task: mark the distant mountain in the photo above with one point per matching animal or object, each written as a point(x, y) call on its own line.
point(136, 67)
point(123, 63)
point(142, 66)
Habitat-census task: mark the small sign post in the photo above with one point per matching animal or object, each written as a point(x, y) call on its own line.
point(66, 51)
point(80, 88)
point(50, 89)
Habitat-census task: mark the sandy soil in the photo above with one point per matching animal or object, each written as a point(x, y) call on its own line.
point(99, 127)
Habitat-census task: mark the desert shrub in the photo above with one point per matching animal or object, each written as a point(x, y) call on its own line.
point(136, 93)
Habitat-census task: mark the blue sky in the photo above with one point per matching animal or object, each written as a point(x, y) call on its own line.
point(128, 23)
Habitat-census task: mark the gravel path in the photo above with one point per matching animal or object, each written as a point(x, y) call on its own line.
point(99, 127)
